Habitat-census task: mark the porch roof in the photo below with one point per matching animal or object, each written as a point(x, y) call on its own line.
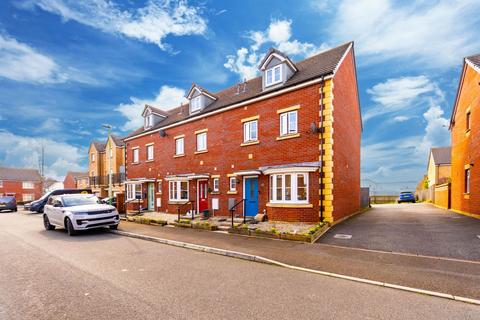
point(139, 180)
point(292, 167)
point(187, 176)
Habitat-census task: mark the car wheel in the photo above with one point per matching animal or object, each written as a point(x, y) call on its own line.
point(46, 223)
point(69, 226)
point(15, 210)
point(114, 227)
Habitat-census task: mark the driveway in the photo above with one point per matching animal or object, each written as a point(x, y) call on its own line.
point(410, 228)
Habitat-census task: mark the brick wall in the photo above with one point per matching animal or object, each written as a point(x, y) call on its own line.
point(346, 141)
point(16, 187)
point(465, 146)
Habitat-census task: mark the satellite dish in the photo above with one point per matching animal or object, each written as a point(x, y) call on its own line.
point(163, 133)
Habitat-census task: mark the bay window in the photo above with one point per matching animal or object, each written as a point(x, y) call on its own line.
point(289, 188)
point(178, 190)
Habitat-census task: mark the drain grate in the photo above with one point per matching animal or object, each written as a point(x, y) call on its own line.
point(343, 236)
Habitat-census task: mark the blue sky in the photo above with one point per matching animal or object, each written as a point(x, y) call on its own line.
point(68, 66)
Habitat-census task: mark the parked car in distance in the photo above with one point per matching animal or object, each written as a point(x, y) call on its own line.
point(113, 201)
point(8, 203)
point(406, 196)
point(76, 212)
point(38, 205)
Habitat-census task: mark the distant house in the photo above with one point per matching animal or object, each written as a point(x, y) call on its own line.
point(76, 180)
point(50, 185)
point(439, 166)
point(465, 131)
point(24, 184)
point(104, 159)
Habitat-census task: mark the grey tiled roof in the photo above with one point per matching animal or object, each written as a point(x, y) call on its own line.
point(100, 146)
point(322, 64)
point(19, 174)
point(118, 140)
point(475, 59)
point(442, 155)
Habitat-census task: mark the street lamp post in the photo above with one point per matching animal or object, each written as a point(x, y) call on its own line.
point(109, 128)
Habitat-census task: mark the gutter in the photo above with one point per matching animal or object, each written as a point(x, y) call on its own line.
point(321, 148)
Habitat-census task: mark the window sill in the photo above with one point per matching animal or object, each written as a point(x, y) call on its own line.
point(215, 192)
point(149, 160)
point(467, 133)
point(177, 201)
point(249, 143)
point(135, 163)
point(199, 152)
point(179, 155)
point(232, 192)
point(288, 136)
point(289, 205)
point(466, 196)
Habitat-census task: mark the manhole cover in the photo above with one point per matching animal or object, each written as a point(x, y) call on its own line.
point(342, 236)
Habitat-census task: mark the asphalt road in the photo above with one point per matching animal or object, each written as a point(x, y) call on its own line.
point(410, 228)
point(97, 275)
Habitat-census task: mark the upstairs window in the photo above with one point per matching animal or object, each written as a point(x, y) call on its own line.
point(135, 155)
point(216, 184)
point(150, 152)
point(179, 146)
point(111, 153)
point(202, 141)
point(92, 156)
point(196, 104)
point(250, 131)
point(148, 121)
point(467, 180)
point(1, 183)
point(27, 185)
point(232, 184)
point(288, 123)
point(273, 75)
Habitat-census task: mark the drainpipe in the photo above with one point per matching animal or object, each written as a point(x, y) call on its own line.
point(321, 148)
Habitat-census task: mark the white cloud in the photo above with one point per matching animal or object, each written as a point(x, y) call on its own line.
point(400, 118)
point(24, 152)
point(151, 24)
point(279, 34)
point(436, 131)
point(399, 96)
point(166, 98)
point(433, 33)
point(20, 62)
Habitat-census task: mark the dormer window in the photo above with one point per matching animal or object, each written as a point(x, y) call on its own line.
point(149, 121)
point(273, 76)
point(196, 104)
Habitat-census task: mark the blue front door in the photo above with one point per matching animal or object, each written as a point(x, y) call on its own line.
point(251, 196)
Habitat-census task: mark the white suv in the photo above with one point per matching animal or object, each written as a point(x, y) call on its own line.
point(79, 212)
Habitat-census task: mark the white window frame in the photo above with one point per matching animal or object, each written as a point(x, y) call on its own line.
point(196, 104)
point(216, 184)
point(159, 186)
point(1, 183)
point(177, 146)
point(111, 153)
point(28, 185)
point(93, 157)
point(248, 135)
point(135, 155)
point(132, 190)
point(272, 71)
point(467, 179)
point(287, 126)
point(232, 184)
point(28, 197)
point(150, 152)
point(293, 188)
point(148, 121)
point(175, 190)
point(201, 147)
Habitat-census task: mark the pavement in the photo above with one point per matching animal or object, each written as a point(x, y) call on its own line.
point(98, 275)
point(421, 229)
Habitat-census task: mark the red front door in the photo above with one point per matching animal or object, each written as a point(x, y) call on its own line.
point(202, 196)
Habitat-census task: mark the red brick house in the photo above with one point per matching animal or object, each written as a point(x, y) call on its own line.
point(465, 132)
point(287, 142)
point(24, 184)
point(76, 180)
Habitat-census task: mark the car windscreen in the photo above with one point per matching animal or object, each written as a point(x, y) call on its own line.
point(6, 199)
point(79, 201)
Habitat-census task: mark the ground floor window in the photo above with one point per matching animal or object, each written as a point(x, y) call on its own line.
point(178, 190)
point(467, 180)
point(28, 197)
point(289, 188)
point(133, 190)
